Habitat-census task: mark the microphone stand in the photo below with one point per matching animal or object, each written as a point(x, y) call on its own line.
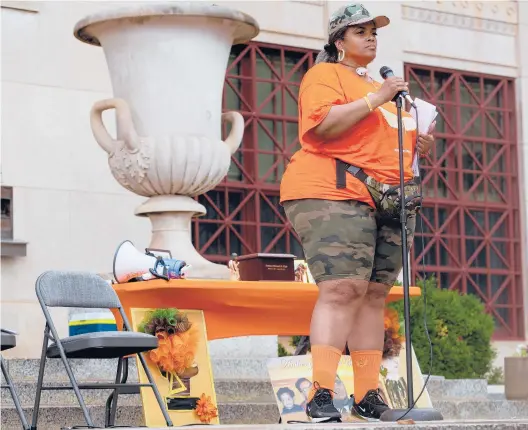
point(410, 413)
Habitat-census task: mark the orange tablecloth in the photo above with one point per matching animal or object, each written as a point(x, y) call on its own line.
point(234, 308)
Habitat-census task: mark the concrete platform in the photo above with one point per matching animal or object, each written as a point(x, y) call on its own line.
point(444, 425)
point(244, 403)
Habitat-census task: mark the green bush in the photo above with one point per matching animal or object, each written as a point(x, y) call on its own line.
point(460, 332)
point(281, 351)
point(495, 376)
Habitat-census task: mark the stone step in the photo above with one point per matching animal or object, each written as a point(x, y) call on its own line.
point(27, 370)
point(104, 370)
point(457, 399)
point(496, 392)
point(240, 368)
point(232, 390)
point(55, 417)
point(482, 409)
point(26, 394)
point(226, 391)
point(458, 388)
point(262, 405)
point(444, 425)
point(245, 371)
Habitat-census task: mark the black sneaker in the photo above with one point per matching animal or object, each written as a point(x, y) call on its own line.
point(371, 407)
point(321, 408)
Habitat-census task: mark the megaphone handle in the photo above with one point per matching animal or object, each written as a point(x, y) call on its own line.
point(157, 275)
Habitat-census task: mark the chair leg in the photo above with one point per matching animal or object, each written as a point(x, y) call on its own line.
point(40, 379)
point(113, 410)
point(108, 407)
point(156, 391)
point(73, 381)
point(14, 395)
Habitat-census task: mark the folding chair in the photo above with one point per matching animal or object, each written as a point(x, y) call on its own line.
point(86, 290)
point(8, 342)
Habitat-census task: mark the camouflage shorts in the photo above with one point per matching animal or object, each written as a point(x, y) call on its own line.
point(346, 239)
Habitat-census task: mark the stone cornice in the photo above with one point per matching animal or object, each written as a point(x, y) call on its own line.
point(435, 16)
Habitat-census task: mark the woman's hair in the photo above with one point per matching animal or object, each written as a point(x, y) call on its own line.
point(329, 53)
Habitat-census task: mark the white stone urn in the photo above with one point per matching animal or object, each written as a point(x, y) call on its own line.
point(167, 64)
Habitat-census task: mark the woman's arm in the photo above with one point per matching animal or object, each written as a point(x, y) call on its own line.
point(340, 118)
point(426, 141)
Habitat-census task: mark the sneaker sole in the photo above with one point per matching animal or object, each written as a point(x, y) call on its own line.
point(326, 420)
point(361, 417)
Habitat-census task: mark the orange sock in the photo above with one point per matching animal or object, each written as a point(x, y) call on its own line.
point(325, 360)
point(366, 372)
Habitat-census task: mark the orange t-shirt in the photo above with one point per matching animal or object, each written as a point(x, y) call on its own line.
point(371, 144)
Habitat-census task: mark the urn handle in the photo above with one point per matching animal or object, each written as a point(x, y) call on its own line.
point(124, 124)
point(234, 139)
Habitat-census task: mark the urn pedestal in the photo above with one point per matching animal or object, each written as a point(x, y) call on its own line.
point(167, 64)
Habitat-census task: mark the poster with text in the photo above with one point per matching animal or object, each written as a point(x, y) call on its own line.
point(394, 377)
point(180, 366)
point(291, 380)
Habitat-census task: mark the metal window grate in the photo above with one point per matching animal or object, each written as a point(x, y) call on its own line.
point(243, 215)
point(471, 215)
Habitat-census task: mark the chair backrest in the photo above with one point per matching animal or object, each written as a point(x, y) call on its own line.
point(75, 290)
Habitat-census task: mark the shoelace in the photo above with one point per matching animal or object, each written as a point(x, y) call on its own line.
point(322, 395)
point(374, 398)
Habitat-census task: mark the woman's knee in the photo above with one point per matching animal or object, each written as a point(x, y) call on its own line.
point(342, 292)
point(376, 294)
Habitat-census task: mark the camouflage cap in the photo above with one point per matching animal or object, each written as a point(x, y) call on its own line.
point(353, 14)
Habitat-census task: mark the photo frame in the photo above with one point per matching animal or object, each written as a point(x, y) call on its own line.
point(291, 380)
point(302, 272)
point(180, 366)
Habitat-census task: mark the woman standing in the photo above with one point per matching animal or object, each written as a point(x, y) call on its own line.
point(352, 251)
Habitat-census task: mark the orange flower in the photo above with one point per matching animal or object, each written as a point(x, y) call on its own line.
point(176, 352)
point(386, 322)
point(391, 321)
point(205, 409)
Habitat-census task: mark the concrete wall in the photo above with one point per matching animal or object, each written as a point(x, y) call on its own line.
point(522, 133)
point(67, 205)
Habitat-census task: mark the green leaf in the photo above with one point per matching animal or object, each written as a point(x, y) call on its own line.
point(460, 331)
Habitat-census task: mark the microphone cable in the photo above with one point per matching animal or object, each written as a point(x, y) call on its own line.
point(424, 291)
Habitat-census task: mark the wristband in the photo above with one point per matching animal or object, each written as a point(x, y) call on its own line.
point(368, 103)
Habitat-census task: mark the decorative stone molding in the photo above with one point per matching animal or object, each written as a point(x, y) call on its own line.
point(504, 10)
point(435, 16)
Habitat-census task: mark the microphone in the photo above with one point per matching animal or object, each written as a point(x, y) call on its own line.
point(386, 72)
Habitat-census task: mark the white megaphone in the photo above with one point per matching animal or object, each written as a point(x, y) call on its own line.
point(132, 264)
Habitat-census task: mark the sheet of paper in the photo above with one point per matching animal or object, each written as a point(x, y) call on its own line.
point(426, 115)
point(416, 166)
